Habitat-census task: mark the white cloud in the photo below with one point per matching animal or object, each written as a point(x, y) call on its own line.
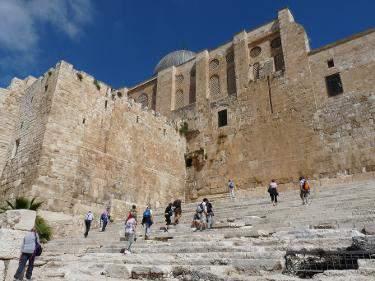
point(20, 19)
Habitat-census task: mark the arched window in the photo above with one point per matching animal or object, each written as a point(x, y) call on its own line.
point(192, 89)
point(143, 100)
point(254, 52)
point(231, 80)
point(256, 69)
point(179, 79)
point(214, 86)
point(231, 74)
point(179, 99)
point(214, 64)
point(153, 102)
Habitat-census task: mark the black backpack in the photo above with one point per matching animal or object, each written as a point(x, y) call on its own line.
point(209, 207)
point(38, 248)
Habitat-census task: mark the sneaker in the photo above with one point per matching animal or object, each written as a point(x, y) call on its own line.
point(127, 252)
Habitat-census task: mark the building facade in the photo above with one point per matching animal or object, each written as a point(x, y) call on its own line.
point(261, 106)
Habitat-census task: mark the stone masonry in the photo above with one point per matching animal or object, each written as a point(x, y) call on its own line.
point(259, 107)
point(84, 146)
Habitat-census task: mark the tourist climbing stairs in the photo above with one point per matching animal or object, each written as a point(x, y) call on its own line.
point(250, 240)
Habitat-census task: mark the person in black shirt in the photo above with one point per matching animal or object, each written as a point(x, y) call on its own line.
point(168, 214)
point(177, 211)
point(210, 214)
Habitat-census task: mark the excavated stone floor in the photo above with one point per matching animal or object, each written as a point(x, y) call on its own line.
point(249, 241)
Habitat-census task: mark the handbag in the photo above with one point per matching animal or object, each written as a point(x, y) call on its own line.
point(38, 248)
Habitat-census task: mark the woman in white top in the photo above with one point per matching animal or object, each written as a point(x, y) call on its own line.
point(130, 226)
point(272, 189)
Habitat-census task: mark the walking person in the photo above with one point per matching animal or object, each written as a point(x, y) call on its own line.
point(147, 221)
point(210, 215)
point(130, 232)
point(168, 213)
point(88, 220)
point(304, 190)
point(177, 209)
point(202, 213)
point(272, 190)
point(104, 219)
point(231, 188)
point(29, 250)
point(132, 213)
point(196, 223)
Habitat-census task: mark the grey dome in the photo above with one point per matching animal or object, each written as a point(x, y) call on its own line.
point(175, 58)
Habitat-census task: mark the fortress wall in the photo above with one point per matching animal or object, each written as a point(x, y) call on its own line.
point(345, 123)
point(9, 111)
point(274, 130)
point(29, 108)
point(7, 102)
point(100, 149)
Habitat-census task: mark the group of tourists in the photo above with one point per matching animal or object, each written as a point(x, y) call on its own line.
point(304, 187)
point(204, 216)
point(203, 219)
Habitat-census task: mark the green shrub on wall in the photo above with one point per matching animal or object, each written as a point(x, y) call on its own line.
point(42, 227)
point(97, 85)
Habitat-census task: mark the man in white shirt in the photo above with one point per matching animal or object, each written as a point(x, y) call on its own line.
point(88, 220)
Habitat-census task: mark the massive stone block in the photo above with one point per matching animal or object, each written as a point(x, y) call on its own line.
point(18, 219)
point(11, 241)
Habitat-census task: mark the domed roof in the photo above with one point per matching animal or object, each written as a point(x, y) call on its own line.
point(175, 58)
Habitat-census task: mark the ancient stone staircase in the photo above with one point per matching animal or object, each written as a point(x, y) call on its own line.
point(249, 241)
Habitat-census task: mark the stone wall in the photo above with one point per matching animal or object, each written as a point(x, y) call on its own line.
point(101, 149)
point(9, 111)
point(345, 123)
point(283, 126)
point(30, 115)
point(84, 145)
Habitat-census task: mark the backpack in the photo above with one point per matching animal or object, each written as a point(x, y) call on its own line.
point(103, 217)
point(306, 185)
point(209, 208)
point(200, 208)
point(147, 213)
point(38, 248)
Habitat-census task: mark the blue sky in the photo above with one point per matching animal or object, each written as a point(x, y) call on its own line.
point(120, 41)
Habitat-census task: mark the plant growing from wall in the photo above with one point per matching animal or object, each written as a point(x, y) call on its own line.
point(49, 73)
point(43, 229)
point(184, 128)
point(79, 76)
point(97, 85)
point(23, 203)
